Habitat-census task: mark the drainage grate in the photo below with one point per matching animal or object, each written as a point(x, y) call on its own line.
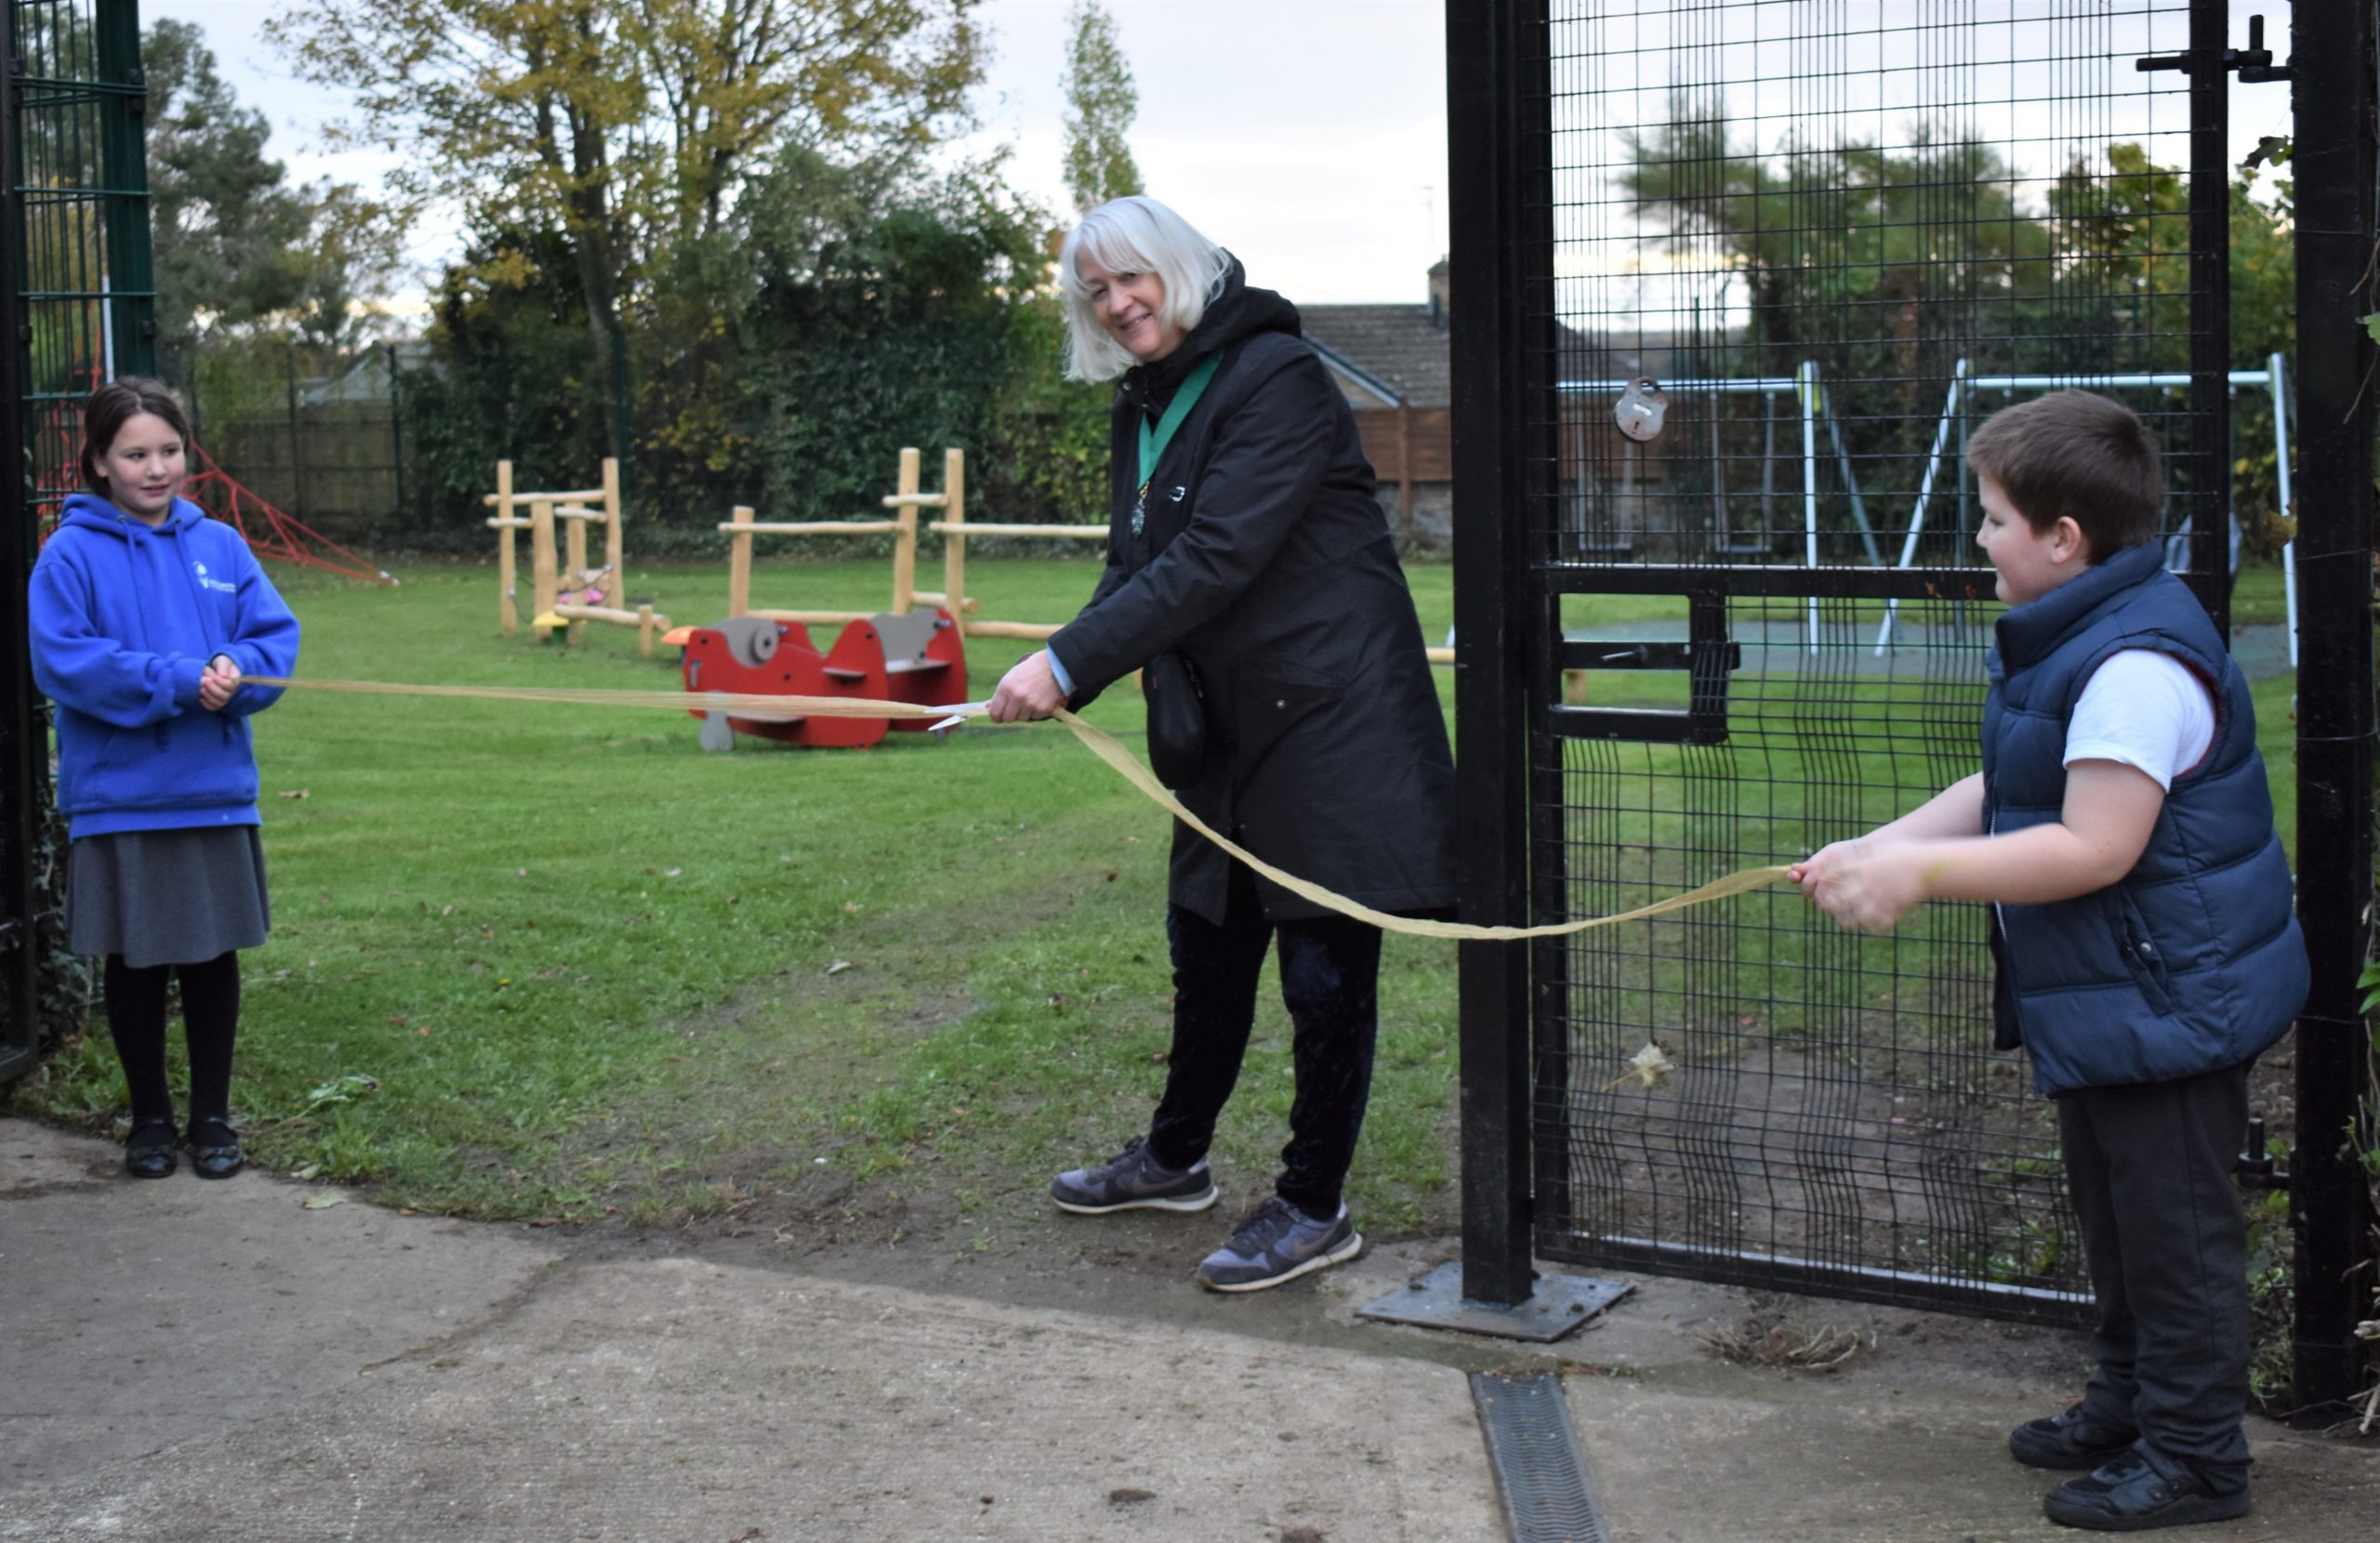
point(1541, 1471)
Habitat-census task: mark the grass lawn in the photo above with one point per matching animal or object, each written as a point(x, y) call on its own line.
point(538, 962)
point(2259, 597)
point(587, 970)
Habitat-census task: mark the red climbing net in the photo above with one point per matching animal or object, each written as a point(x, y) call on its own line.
point(270, 531)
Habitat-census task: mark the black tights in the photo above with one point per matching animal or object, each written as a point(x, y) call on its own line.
point(210, 1020)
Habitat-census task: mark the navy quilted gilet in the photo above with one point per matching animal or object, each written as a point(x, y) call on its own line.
point(2192, 961)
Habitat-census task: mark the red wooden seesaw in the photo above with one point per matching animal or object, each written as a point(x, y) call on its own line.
point(918, 657)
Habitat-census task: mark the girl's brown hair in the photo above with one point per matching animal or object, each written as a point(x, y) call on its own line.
point(113, 405)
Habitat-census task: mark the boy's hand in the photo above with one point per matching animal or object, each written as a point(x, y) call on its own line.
point(1870, 891)
point(1827, 861)
point(218, 683)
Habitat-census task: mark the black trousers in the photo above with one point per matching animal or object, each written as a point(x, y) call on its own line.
point(1330, 982)
point(2149, 1168)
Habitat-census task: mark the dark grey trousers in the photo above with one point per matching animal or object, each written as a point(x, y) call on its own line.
point(2149, 1168)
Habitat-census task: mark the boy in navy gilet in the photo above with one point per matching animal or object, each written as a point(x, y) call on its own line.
point(2144, 933)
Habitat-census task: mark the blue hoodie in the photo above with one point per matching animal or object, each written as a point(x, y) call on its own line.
point(124, 619)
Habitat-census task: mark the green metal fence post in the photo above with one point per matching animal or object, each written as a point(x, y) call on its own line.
point(24, 795)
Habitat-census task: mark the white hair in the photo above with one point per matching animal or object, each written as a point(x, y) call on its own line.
point(1134, 234)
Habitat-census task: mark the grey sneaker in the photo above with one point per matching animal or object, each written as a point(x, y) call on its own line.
point(1277, 1242)
point(1133, 1180)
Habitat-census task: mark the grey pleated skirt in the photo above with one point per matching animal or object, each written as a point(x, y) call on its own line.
point(168, 896)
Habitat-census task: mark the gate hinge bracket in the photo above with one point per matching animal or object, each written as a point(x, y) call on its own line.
point(2254, 1168)
point(2252, 64)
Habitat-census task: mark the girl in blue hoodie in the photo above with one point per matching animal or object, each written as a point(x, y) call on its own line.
point(147, 616)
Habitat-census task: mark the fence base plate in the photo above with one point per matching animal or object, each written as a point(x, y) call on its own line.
point(1557, 1305)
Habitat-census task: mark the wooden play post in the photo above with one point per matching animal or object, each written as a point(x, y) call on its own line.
point(506, 523)
point(905, 544)
point(577, 507)
point(954, 539)
point(615, 543)
point(739, 563)
point(544, 577)
point(744, 527)
point(575, 543)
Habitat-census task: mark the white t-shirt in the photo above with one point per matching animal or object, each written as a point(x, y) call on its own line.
point(2144, 709)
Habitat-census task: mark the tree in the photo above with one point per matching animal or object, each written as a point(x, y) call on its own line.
point(224, 222)
point(848, 310)
point(231, 239)
point(1851, 255)
point(1813, 229)
point(630, 128)
point(2264, 321)
point(1101, 105)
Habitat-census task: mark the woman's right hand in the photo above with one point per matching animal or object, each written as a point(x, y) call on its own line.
point(1027, 692)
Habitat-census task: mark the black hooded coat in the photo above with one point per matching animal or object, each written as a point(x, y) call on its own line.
point(1265, 559)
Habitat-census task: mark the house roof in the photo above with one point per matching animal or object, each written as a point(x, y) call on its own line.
point(1378, 352)
point(1398, 345)
point(366, 377)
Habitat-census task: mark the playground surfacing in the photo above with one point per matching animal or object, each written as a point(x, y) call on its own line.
point(373, 1375)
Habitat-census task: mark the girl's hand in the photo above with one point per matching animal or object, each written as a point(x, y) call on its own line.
point(1027, 692)
point(217, 683)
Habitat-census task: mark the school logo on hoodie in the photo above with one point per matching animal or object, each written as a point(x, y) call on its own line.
point(216, 583)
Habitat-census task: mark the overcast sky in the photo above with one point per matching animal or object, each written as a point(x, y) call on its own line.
point(1309, 136)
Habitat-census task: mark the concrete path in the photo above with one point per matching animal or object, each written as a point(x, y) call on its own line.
point(182, 1361)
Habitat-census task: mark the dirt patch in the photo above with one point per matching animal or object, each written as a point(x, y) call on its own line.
point(1935, 1163)
point(1765, 1337)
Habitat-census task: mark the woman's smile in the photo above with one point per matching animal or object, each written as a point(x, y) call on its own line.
point(1130, 310)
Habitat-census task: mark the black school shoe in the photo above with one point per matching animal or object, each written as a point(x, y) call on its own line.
point(149, 1150)
point(2071, 1438)
point(214, 1148)
point(2131, 1494)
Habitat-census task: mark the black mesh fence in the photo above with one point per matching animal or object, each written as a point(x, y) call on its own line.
point(1804, 247)
point(75, 270)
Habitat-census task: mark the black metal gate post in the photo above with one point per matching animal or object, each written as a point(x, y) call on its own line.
point(124, 176)
point(1500, 259)
point(22, 741)
point(77, 287)
point(2208, 468)
point(2333, 55)
point(1496, 196)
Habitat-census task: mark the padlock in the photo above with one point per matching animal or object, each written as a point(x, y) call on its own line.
point(1639, 411)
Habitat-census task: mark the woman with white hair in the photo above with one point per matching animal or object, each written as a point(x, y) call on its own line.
point(1251, 578)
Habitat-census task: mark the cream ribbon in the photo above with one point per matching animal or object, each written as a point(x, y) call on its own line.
point(1099, 742)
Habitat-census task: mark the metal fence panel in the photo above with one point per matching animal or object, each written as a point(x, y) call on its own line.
point(75, 268)
point(1838, 233)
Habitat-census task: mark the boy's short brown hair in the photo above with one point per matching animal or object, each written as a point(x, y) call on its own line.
point(2078, 455)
